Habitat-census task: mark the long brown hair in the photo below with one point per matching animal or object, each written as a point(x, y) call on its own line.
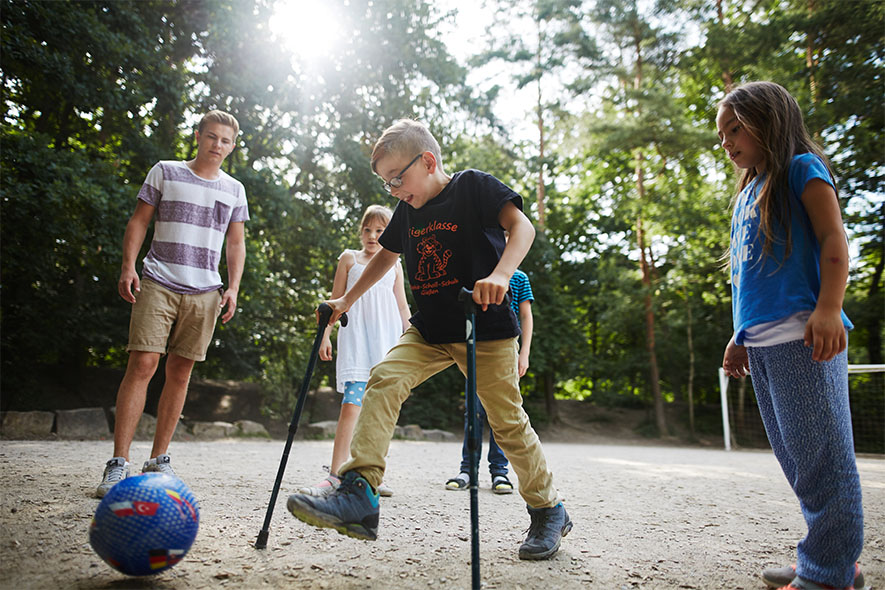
point(773, 119)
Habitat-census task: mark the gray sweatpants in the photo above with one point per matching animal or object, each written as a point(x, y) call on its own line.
point(804, 406)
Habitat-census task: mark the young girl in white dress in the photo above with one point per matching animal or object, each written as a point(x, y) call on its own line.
point(376, 321)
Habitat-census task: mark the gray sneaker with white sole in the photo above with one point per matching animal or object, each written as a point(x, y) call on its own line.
point(159, 464)
point(115, 471)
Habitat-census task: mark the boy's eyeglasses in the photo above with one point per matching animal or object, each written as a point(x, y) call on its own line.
point(397, 181)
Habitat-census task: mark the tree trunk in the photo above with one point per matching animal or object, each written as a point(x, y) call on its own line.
point(654, 375)
point(690, 371)
point(542, 214)
point(810, 61)
point(727, 76)
point(644, 266)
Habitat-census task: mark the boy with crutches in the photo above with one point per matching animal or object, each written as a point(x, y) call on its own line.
point(450, 230)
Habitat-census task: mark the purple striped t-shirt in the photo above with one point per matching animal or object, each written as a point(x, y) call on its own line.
point(191, 221)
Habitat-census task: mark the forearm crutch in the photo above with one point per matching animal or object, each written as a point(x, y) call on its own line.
point(324, 313)
point(473, 430)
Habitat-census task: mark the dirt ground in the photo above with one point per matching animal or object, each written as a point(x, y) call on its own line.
point(646, 517)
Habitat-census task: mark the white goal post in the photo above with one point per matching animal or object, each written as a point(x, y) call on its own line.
point(723, 392)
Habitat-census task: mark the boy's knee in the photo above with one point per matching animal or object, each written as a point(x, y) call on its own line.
point(142, 365)
point(178, 369)
point(382, 383)
point(508, 424)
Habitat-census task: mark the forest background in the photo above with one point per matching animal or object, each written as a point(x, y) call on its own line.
point(616, 156)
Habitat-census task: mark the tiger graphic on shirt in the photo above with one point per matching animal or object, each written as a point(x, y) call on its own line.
point(433, 260)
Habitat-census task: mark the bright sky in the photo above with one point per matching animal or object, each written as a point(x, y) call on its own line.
point(466, 37)
point(299, 25)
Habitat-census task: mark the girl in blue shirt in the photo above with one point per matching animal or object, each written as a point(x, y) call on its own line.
point(789, 268)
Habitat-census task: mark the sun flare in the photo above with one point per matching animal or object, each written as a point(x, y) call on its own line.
point(307, 28)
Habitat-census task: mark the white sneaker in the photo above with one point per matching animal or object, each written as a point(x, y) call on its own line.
point(159, 464)
point(115, 471)
point(384, 490)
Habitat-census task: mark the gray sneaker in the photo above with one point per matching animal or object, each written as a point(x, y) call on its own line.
point(159, 464)
point(549, 526)
point(781, 577)
point(115, 471)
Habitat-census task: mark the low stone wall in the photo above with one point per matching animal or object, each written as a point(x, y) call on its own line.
point(202, 420)
point(95, 424)
point(326, 429)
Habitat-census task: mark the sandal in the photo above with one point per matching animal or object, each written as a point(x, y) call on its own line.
point(461, 482)
point(501, 485)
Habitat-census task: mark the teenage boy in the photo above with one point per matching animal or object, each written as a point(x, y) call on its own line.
point(177, 301)
point(450, 230)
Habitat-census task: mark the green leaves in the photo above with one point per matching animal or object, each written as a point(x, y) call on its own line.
point(62, 216)
point(96, 92)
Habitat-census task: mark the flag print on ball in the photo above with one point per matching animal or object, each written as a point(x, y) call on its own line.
point(145, 524)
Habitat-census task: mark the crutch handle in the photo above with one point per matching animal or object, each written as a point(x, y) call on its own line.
point(465, 296)
point(324, 312)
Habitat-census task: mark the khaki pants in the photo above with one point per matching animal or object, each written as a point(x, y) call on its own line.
point(411, 362)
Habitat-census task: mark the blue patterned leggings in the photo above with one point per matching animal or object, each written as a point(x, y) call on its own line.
point(804, 405)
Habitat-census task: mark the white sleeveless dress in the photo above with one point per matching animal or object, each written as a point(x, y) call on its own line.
point(374, 327)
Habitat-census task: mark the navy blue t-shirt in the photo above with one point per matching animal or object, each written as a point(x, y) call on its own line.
point(451, 242)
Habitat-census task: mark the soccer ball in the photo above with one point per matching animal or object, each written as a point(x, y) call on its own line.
point(145, 524)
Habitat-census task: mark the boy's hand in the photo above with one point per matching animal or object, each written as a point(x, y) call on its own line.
point(128, 280)
point(825, 332)
point(735, 361)
point(339, 306)
point(229, 298)
point(489, 290)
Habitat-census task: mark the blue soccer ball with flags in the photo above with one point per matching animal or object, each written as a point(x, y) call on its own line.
point(145, 524)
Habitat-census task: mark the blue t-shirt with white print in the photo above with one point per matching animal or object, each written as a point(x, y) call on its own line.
point(765, 288)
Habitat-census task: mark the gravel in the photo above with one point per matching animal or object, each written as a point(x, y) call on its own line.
point(646, 517)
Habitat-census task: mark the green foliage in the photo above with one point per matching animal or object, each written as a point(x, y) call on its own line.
point(63, 215)
point(94, 93)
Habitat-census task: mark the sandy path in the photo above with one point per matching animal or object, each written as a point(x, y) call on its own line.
point(645, 517)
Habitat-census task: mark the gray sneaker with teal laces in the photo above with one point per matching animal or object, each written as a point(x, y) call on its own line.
point(549, 526)
point(351, 510)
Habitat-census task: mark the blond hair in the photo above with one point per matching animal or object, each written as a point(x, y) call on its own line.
point(407, 138)
point(375, 212)
point(216, 116)
point(772, 117)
